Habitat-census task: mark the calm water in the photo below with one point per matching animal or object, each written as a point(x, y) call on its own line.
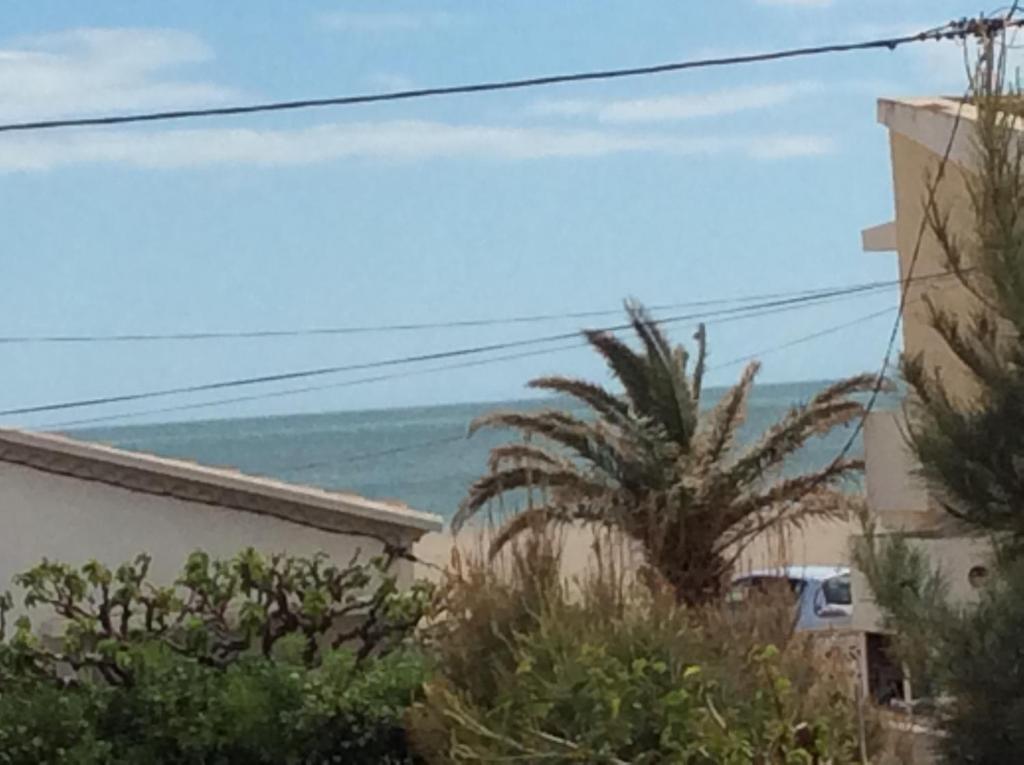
point(419, 456)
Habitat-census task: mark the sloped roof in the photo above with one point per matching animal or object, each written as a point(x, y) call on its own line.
point(149, 474)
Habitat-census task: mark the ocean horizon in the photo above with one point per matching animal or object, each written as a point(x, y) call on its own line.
point(419, 456)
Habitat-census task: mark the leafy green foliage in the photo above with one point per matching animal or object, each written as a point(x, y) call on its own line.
point(546, 672)
point(248, 660)
point(253, 711)
point(650, 464)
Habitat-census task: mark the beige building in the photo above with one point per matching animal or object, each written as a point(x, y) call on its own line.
point(921, 133)
point(73, 501)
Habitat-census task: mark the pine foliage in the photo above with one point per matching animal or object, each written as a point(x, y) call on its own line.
point(970, 441)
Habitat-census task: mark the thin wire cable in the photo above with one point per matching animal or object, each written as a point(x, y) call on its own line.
point(307, 389)
point(410, 326)
point(953, 30)
point(434, 356)
point(462, 437)
point(880, 380)
point(580, 343)
point(803, 339)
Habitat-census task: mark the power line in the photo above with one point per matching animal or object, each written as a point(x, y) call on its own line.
point(308, 389)
point(462, 437)
point(580, 343)
point(803, 339)
point(412, 326)
point(953, 30)
point(880, 380)
point(434, 356)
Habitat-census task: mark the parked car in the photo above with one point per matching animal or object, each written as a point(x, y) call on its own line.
point(822, 593)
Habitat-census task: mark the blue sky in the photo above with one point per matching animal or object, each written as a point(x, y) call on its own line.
point(681, 187)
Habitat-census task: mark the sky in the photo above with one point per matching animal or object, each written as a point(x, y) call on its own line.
point(682, 187)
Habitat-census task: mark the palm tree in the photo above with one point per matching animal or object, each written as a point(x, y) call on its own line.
point(650, 464)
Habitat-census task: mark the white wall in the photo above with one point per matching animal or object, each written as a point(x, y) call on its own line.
point(73, 521)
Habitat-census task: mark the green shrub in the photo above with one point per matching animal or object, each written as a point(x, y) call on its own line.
point(242, 661)
point(598, 672)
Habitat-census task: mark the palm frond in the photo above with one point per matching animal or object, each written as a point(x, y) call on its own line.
point(564, 429)
point(700, 336)
point(522, 452)
point(820, 501)
point(715, 440)
point(670, 400)
point(566, 479)
point(628, 367)
point(862, 383)
point(533, 519)
point(788, 436)
point(798, 494)
point(596, 397)
point(659, 350)
point(619, 453)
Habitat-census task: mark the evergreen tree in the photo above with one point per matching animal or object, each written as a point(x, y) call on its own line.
point(969, 441)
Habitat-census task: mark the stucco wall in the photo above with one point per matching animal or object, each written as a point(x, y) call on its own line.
point(954, 557)
point(74, 520)
point(913, 167)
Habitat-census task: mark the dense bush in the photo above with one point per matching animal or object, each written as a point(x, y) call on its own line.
point(244, 661)
point(533, 669)
point(252, 660)
point(253, 711)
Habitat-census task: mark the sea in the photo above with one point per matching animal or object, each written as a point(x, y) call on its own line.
point(419, 456)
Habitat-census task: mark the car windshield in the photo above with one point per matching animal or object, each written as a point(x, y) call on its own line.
point(837, 590)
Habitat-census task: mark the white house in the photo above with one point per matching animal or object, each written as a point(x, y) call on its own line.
point(73, 501)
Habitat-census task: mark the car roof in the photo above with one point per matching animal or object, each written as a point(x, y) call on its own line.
point(807, 573)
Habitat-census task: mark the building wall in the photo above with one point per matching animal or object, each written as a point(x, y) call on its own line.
point(913, 168)
point(895, 495)
point(73, 521)
point(954, 557)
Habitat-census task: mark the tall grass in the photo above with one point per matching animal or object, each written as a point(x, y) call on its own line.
point(606, 666)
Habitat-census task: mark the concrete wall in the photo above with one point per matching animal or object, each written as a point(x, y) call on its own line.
point(896, 497)
point(74, 520)
point(953, 556)
point(818, 542)
point(913, 167)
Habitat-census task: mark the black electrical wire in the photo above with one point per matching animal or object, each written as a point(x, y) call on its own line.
point(953, 30)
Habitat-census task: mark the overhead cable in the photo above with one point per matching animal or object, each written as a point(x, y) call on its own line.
point(953, 30)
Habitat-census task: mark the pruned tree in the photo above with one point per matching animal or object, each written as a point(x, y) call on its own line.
point(217, 610)
point(650, 463)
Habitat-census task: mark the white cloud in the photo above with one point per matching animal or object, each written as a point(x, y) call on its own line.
point(89, 71)
point(367, 22)
point(678, 107)
point(388, 140)
point(86, 71)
